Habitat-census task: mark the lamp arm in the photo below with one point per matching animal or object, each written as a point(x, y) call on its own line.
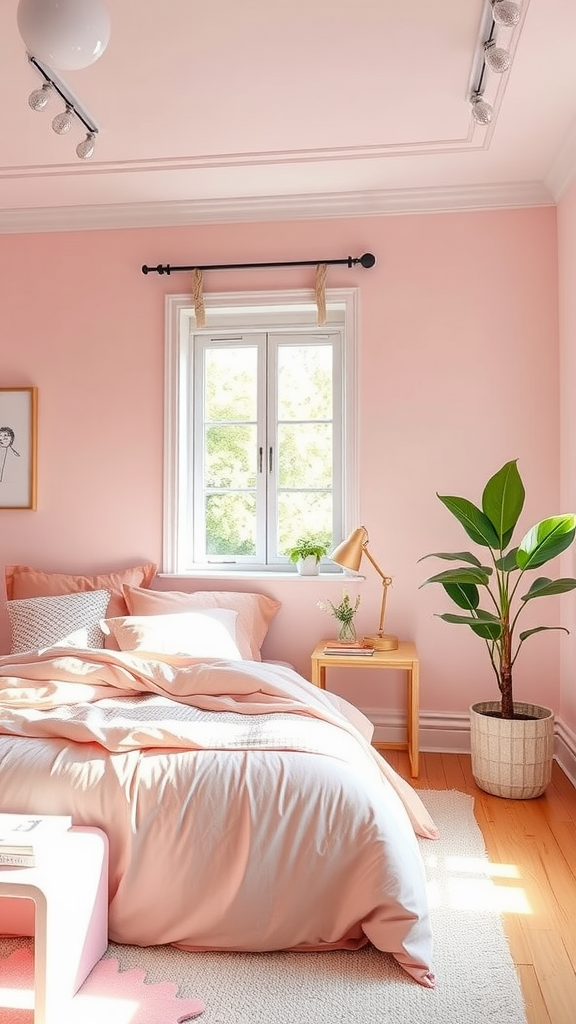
point(386, 581)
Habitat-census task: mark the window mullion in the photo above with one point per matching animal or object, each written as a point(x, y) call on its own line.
point(272, 441)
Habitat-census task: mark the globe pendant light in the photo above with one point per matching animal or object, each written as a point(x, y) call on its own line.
point(64, 34)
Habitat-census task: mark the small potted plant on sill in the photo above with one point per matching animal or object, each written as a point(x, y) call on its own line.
point(307, 554)
point(512, 743)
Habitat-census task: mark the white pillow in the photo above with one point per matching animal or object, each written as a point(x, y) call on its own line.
point(203, 634)
point(72, 620)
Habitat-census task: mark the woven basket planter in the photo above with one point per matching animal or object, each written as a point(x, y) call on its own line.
point(512, 758)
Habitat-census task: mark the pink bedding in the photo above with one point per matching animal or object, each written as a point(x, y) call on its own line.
point(246, 809)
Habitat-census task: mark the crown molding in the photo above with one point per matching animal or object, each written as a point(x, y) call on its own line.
point(276, 208)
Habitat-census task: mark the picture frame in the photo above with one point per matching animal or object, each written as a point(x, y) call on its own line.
point(18, 447)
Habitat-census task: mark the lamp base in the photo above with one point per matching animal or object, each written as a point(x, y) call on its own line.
point(382, 643)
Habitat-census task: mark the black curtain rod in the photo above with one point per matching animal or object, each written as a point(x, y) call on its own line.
point(367, 260)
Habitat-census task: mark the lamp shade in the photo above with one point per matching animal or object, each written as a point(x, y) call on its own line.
point(64, 34)
point(349, 553)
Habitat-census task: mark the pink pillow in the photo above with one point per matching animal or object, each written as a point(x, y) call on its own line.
point(255, 611)
point(24, 581)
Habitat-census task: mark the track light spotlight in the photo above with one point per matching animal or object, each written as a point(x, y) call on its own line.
point(38, 99)
point(85, 149)
point(497, 59)
point(481, 110)
point(62, 123)
point(505, 13)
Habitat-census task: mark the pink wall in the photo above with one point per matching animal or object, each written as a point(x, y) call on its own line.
point(567, 306)
point(458, 373)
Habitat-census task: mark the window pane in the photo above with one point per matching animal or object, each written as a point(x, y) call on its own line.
point(303, 514)
point(230, 456)
point(230, 524)
point(231, 384)
point(305, 382)
point(305, 455)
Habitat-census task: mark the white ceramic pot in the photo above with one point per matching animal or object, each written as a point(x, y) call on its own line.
point(512, 757)
point(308, 566)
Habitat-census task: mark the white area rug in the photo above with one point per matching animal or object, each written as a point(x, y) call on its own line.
point(477, 982)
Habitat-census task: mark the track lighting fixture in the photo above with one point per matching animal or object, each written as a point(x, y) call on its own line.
point(65, 119)
point(494, 58)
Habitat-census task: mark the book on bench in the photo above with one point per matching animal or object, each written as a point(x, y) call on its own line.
point(21, 835)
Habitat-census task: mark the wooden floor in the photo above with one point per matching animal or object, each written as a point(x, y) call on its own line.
point(537, 838)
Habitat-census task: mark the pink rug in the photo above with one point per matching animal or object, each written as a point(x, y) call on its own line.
point(108, 995)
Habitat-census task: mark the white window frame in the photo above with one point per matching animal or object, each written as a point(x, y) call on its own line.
point(232, 311)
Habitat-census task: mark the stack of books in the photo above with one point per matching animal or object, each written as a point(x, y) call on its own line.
point(363, 648)
point(22, 835)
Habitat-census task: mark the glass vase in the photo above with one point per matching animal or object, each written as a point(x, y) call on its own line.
point(347, 631)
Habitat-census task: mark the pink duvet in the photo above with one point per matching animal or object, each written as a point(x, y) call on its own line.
point(246, 809)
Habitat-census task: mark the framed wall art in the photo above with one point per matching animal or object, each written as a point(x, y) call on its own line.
point(18, 447)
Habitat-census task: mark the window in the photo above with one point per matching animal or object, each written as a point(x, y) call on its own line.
point(260, 429)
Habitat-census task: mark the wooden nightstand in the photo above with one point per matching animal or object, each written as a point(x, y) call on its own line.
point(405, 658)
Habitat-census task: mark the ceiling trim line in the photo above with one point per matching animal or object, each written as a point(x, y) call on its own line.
point(180, 213)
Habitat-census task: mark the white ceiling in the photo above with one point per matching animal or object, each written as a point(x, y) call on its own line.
point(288, 109)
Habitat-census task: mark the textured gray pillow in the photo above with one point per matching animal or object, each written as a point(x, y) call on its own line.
point(72, 620)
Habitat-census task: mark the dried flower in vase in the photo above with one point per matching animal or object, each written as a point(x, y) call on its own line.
point(344, 613)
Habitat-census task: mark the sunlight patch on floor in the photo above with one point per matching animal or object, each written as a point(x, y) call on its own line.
point(475, 885)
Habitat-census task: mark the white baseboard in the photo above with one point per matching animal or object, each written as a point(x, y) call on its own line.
point(565, 752)
point(450, 733)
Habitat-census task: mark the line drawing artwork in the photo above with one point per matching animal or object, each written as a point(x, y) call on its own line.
point(7, 438)
point(18, 447)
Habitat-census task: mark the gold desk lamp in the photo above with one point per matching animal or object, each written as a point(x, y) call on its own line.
point(349, 555)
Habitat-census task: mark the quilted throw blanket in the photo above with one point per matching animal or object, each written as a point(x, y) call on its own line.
point(230, 791)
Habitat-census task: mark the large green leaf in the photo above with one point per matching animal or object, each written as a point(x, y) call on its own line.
point(484, 624)
point(479, 575)
point(541, 629)
point(454, 556)
point(475, 522)
point(545, 540)
point(543, 587)
point(465, 595)
point(503, 500)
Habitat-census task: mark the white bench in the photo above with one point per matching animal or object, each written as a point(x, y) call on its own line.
point(69, 887)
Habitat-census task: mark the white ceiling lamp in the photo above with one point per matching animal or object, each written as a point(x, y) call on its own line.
point(65, 34)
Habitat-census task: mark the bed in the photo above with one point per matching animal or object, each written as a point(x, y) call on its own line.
point(245, 808)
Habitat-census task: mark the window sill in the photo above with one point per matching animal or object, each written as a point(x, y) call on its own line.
point(244, 574)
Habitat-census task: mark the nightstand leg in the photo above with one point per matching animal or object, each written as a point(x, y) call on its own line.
point(318, 675)
point(413, 722)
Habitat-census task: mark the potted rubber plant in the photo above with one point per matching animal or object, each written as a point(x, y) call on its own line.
point(307, 553)
point(512, 742)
